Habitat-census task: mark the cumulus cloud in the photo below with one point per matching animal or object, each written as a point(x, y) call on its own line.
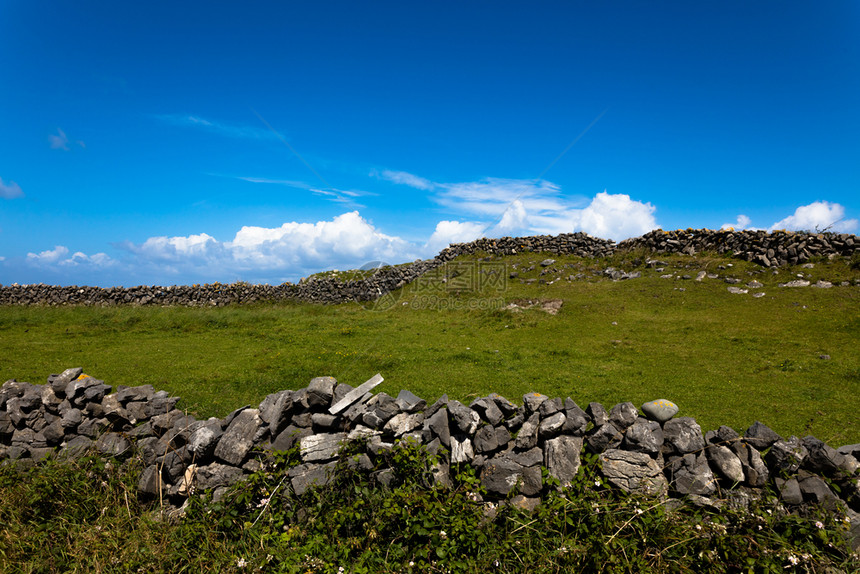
point(10, 190)
point(448, 232)
point(743, 222)
point(819, 215)
point(58, 257)
point(527, 207)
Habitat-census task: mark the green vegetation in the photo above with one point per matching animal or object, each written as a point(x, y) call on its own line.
point(724, 358)
point(84, 517)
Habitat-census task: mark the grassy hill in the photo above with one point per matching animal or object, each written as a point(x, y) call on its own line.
point(724, 358)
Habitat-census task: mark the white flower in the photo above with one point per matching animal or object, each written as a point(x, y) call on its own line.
point(698, 527)
point(597, 482)
point(793, 560)
point(819, 525)
point(263, 502)
point(639, 511)
point(443, 534)
point(411, 563)
point(241, 563)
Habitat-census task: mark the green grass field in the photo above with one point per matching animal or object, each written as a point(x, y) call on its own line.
point(723, 358)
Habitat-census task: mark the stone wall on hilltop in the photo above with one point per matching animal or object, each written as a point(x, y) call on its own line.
point(768, 249)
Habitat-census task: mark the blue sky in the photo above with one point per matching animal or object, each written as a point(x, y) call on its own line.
point(192, 142)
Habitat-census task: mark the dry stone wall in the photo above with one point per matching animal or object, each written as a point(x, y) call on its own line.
point(646, 450)
point(767, 249)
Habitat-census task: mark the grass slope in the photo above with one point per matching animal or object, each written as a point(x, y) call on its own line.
point(724, 358)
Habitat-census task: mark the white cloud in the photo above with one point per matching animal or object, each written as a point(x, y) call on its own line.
point(448, 232)
point(57, 257)
point(743, 222)
point(10, 190)
point(528, 207)
point(819, 215)
point(404, 178)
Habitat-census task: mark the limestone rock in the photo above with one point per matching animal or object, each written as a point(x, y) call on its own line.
point(633, 472)
point(561, 457)
point(660, 410)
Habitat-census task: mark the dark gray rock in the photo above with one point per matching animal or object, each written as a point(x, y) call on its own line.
point(93, 427)
point(486, 440)
point(276, 410)
point(552, 425)
point(324, 422)
point(527, 438)
point(215, 475)
point(289, 437)
point(410, 403)
point(114, 445)
point(755, 470)
point(561, 458)
point(789, 491)
point(815, 490)
point(604, 437)
point(623, 415)
point(507, 407)
point(71, 419)
point(597, 413)
point(464, 419)
point(441, 403)
point(239, 438)
point(140, 393)
point(59, 382)
point(488, 410)
point(682, 435)
point(150, 482)
point(50, 400)
point(633, 472)
point(54, 433)
point(690, 474)
point(320, 392)
point(303, 420)
point(822, 458)
point(500, 475)
point(550, 407)
point(786, 456)
point(575, 419)
point(760, 436)
point(644, 436)
point(531, 457)
point(76, 447)
point(438, 425)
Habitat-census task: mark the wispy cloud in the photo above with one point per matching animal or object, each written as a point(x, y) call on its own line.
point(226, 129)
point(343, 196)
point(10, 190)
point(403, 178)
point(60, 140)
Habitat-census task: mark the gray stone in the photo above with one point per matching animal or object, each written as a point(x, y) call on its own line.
point(305, 477)
point(275, 411)
point(54, 433)
point(76, 447)
point(438, 425)
point(682, 435)
point(202, 441)
point(660, 410)
point(113, 444)
point(320, 447)
point(59, 382)
point(461, 450)
point(597, 414)
point(441, 403)
point(486, 440)
point(507, 407)
point(789, 491)
point(324, 421)
point(530, 457)
point(690, 474)
point(528, 436)
point(623, 415)
point(786, 456)
point(320, 391)
point(357, 393)
point(487, 410)
point(644, 436)
point(822, 458)
point(289, 437)
point(561, 458)
point(239, 438)
point(150, 481)
point(633, 472)
point(533, 401)
point(815, 490)
point(50, 400)
point(383, 406)
point(410, 403)
point(551, 426)
point(500, 475)
point(604, 437)
point(465, 420)
point(215, 475)
point(403, 423)
point(550, 407)
point(126, 395)
point(754, 468)
point(576, 420)
point(760, 436)
point(726, 463)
